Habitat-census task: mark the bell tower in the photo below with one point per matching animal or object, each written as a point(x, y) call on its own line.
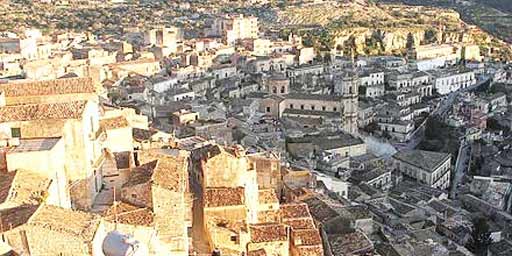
point(349, 97)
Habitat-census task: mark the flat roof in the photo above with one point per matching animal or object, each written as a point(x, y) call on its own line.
point(36, 144)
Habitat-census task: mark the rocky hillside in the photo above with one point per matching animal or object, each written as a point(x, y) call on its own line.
point(378, 28)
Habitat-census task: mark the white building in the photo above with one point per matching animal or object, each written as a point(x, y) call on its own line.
point(447, 82)
point(427, 167)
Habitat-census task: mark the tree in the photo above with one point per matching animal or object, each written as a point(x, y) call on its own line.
point(480, 237)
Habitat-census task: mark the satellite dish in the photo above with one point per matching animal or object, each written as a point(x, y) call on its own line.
point(118, 244)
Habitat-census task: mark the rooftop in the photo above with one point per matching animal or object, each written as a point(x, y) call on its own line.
point(307, 237)
point(349, 244)
point(219, 197)
point(34, 144)
point(81, 225)
point(426, 160)
point(261, 233)
point(16, 216)
point(267, 196)
point(48, 87)
point(321, 97)
point(294, 211)
point(22, 187)
point(31, 112)
point(129, 214)
point(114, 123)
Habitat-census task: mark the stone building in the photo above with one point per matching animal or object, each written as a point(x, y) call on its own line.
point(427, 167)
point(160, 183)
point(53, 230)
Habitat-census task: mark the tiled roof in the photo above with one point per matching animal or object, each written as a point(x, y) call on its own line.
point(81, 225)
point(426, 160)
point(29, 112)
point(48, 87)
point(141, 174)
point(348, 244)
point(267, 196)
point(303, 223)
point(142, 134)
point(259, 252)
point(114, 123)
point(17, 216)
point(306, 237)
point(219, 197)
point(129, 214)
point(26, 187)
point(162, 169)
point(293, 211)
point(310, 250)
point(261, 233)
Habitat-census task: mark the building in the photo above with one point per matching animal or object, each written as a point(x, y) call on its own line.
point(427, 167)
point(446, 82)
point(233, 28)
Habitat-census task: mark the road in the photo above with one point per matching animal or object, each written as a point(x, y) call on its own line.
point(461, 167)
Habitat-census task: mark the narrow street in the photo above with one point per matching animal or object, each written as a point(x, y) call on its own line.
point(460, 169)
point(199, 241)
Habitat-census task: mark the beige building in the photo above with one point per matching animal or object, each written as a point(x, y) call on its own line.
point(160, 183)
point(66, 109)
point(52, 230)
point(242, 215)
point(427, 167)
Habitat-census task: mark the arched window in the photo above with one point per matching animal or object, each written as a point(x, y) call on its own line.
point(283, 89)
point(274, 89)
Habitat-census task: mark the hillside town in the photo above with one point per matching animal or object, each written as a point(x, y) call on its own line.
point(238, 137)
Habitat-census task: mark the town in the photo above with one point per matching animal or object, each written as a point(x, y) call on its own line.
point(234, 131)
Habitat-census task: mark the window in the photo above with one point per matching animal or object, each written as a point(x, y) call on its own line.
point(16, 132)
point(291, 106)
point(324, 108)
point(312, 107)
point(283, 90)
point(335, 109)
point(274, 90)
point(302, 107)
point(268, 109)
point(233, 238)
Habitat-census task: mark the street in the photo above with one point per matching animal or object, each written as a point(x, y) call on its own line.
point(461, 167)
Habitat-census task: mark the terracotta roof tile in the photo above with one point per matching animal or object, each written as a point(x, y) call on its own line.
point(267, 196)
point(310, 250)
point(218, 197)
point(302, 223)
point(49, 87)
point(306, 237)
point(141, 174)
point(261, 233)
point(79, 224)
point(114, 123)
point(171, 171)
point(348, 244)
point(29, 112)
point(259, 252)
point(293, 211)
point(129, 214)
point(27, 187)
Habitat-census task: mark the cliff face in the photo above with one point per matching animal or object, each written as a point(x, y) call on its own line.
point(371, 29)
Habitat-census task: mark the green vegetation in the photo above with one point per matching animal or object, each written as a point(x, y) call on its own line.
point(480, 237)
point(440, 137)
